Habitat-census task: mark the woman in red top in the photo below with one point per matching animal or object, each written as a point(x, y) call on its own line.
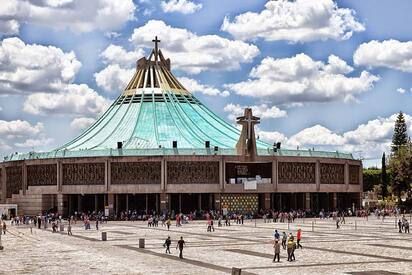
point(299, 237)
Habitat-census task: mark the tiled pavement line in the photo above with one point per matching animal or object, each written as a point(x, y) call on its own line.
point(391, 246)
point(270, 256)
point(185, 260)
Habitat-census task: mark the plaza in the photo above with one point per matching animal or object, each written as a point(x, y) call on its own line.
point(360, 246)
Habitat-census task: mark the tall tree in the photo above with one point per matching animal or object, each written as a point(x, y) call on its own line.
point(400, 164)
point(384, 178)
point(400, 134)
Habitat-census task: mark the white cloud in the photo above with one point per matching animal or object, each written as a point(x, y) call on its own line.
point(80, 123)
point(4, 146)
point(392, 54)
point(368, 140)
point(296, 21)
point(76, 15)
point(192, 53)
point(193, 86)
point(28, 68)
point(263, 111)
point(18, 128)
point(182, 6)
point(114, 54)
point(74, 100)
point(301, 79)
point(401, 90)
point(113, 78)
point(271, 136)
point(28, 143)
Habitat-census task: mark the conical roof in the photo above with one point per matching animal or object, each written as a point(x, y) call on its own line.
point(154, 110)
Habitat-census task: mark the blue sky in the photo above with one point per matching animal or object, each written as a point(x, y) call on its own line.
point(322, 74)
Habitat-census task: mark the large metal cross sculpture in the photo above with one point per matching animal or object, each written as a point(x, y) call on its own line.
point(247, 140)
point(156, 52)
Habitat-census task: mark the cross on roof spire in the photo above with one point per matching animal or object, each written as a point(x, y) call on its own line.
point(156, 51)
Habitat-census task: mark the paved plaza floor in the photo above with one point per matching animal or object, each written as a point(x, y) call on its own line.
point(367, 247)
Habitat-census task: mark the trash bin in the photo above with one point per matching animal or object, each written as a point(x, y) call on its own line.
point(104, 236)
point(61, 227)
point(141, 243)
point(236, 271)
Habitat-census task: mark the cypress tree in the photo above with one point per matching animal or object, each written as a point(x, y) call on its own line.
point(384, 178)
point(400, 134)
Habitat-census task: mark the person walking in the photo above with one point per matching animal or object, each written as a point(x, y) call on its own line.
point(290, 249)
point(400, 226)
point(167, 244)
point(69, 230)
point(276, 235)
point(276, 247)
point(4, 227)
point(298, 238)
point(180, 244)
point(406, 226)
point(284, 239)
point(168, 223)
point(97, 224)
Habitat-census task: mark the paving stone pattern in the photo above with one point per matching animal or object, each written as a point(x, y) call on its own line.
point(372, 247)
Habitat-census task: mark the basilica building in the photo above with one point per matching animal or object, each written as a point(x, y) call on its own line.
point(158, 148)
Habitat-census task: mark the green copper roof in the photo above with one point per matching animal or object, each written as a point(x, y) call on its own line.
point(154, 111)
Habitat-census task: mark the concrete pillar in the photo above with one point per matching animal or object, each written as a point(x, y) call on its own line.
point(69, 205)
point(110, 203)
point(266, 202)
point(96, 202)
point(163, 175)
point(79, 203)
point(335, 201)
point(127, 203)
point(180, 203)
point(107, 175)
point(280, 202)
point(307, 201)
point(199, 201)
point(24, 171)
point(317, 178)
point(62, 204)
point(117, 203)
point(275, 174)
point(210, 205)
point(157, 203)
point(164, 203)
point(218, 198)
point(221, 174)
point(147, 202)
point(59, 176)
point(295, 201)
point(346, 176)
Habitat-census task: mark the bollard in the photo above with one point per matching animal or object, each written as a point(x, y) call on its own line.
point(313, 227)
point(141, 242)
point(104, 236)
point(236, 271)
point(61, 227)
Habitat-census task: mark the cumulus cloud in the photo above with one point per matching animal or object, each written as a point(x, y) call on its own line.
point(28, 68)
point(114, 54)
point(193, 86)
point(19, 128)
point(392, 54)
point(401, 90)
point(368, 140)
point(80, 123)
point(263, 111)
point(295, 21)
point(120, 69)
point(182, 6)
point(31, 142)
point(113, 78)
point(192, 53)
point(76, 15)
point(301, 79)
point(74, 100)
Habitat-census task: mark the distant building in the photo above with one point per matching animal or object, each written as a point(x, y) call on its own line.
point(158, 148)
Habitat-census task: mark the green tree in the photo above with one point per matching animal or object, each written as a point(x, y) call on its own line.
point(401, 169)
point(384, 178)
point(400, 134)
